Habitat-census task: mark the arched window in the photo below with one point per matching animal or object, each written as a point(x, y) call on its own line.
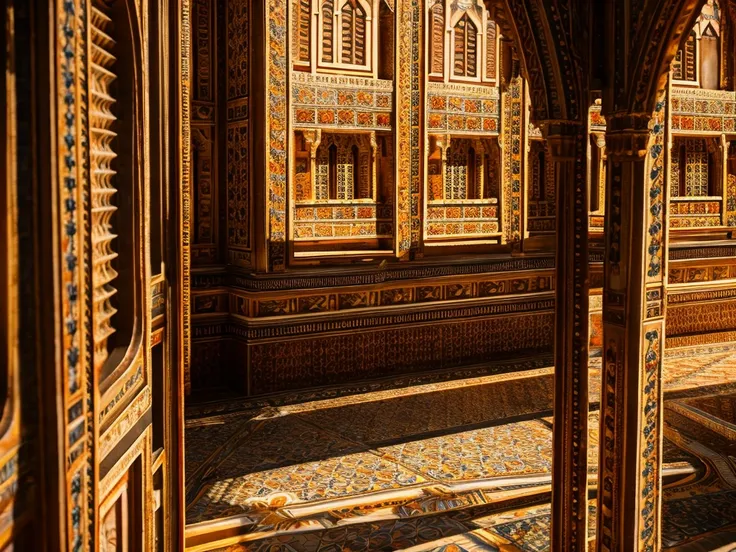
point(710, 59)
point(466, 48)
point(386, 41)
point(354, 27)
point(328, 31)
point(437, 38)
point(115, 182)
point(301, 30)
point(683, 66)
point(470, 46)
point(491, 49)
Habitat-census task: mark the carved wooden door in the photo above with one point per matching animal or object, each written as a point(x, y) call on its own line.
point(92, 272)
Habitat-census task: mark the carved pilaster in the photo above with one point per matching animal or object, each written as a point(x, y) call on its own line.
point(567, 146)
point(629, 488)
point(722, 176)
point(598, 181)
point(313, 138)
point(730, 185)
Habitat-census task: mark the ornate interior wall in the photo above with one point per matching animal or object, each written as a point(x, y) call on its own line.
point(92, 275)
point(436, 208)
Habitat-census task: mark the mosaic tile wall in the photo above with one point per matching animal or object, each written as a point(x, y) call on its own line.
point(251, 294)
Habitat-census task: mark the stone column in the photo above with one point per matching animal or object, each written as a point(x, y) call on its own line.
point(568, 152)
point(599, 142)
point(722, 174)
point(629, 487)
point(313, 138)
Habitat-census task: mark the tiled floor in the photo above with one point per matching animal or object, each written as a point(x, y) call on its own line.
point(441, 464)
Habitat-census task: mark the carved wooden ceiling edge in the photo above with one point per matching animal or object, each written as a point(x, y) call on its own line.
point(555, 84)
point(656, 46)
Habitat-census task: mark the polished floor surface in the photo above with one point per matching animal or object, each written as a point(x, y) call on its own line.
point(455, 460)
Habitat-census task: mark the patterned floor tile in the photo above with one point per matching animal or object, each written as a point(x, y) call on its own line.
point(290, 457)
point(697, 370)
point(407, 416)
point(722, 407)
point(528, 528)
point(203, 442)
point(442, 431)
point(473, 541)
point(380, 536)
point(521, 448)
point(687, 518)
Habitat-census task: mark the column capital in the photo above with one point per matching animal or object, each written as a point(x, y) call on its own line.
point(627, 135)
point(560, 137)
point(600, 139)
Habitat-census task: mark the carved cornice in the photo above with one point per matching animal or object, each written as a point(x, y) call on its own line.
point(561, 137)
point(316, 279)
point(627, 135)
point(294, 326)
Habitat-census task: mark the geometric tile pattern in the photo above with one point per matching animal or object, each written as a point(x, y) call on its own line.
point(703, 370)
point(384, 535)
point(389, 419)
point(691, 517)
point(515, 449)
point(429, 439)
point(291, 457)
point(529, 529)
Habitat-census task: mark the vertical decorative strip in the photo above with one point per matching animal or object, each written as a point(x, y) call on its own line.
point(655, 174)
point(512, 140)
point(731, 200)
point(74, 259)
point(205, 166)
point(416, 103)
point(89, 297)
point(276, 132)
point(238, 124)
point(650, 444)
point(653, 334)
point(406, 125)
point(185, 199)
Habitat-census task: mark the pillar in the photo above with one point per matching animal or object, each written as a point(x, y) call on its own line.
point(722, 175)
point(629, 487)
point(568, 152)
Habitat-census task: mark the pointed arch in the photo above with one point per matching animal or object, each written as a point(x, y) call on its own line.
point(543, 32)
point(661, 31)
point(301, 30)
point(354, 32)
point(465, 60)
point(491, 49)
point(328, 30)
point(437, 37)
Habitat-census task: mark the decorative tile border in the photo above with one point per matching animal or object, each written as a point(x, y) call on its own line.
point(276, 131)
point(331, 101)
point(406, 126)
point(336, 299)
point(465, 109)
point(703, 111)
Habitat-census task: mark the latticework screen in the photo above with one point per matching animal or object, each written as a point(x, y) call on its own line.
point(466, 48)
